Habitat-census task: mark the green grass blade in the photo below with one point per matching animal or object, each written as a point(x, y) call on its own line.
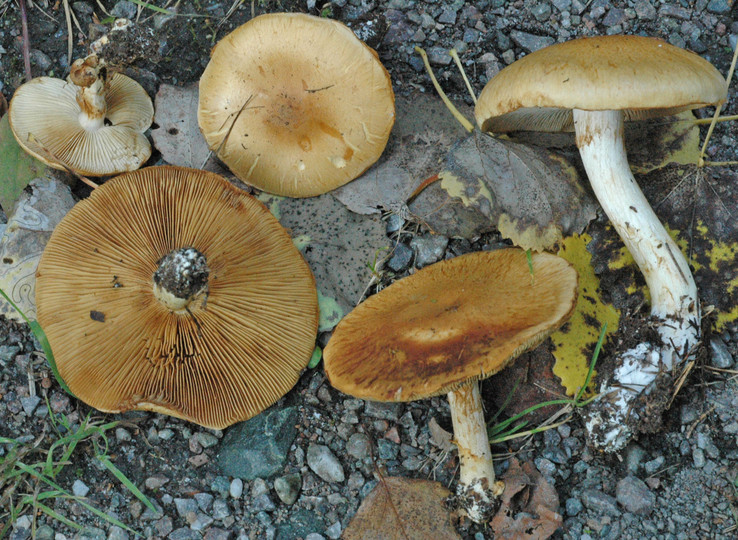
point(152, 7)
point(57, 516)
point(592, 364)
point(126, 482)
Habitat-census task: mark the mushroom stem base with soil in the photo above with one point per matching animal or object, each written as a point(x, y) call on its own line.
point(477, 491)
point(612, 419)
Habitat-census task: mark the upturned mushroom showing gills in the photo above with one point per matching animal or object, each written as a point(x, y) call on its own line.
point(593, 85)
point(444, 328)
point(93, 123)
point(295, 105)
point(170, 290)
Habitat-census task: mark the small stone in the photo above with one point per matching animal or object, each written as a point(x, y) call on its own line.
point(122, 434)
point(322, 462)
point(541, 11)
point(220, 509)
point(185, 507)
point(654, 465)
point(439, 56)
point(288, 487)
point(116, 533)
point(29, 404)
point(204, 501)
point(382, 410)
point(698, 458)
point(633, 494)
point(400, 259)
point(206, 440)
point(720, 357)
point(719, 7)
point(428, 249)
point(155, 482)
point(124, 10)
point(644, 10)
point(236, 489)
point(530, 42)
point(201, 522)
point(358, 446)
point(600, 502)
point(334, 531)
point(80, 489)
point(573, 506)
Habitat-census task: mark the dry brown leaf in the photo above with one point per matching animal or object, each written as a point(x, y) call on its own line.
point(440, 437)
point(529, 504)
point(403, 509)
point(178, 136)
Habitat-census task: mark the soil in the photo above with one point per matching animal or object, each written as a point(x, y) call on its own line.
point(678, 482)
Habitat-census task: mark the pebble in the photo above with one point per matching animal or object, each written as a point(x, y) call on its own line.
point(720, 357)
point(185, 507)
point(221, 509)
point(633, 494)
point(124, 9)
point(204, 501)
point(530, 42)
point(358, 446)
point(324, 463)
point(573, 506)
point(401, 257)
point(116, 533)
point(600, 502)
point(155, 482)
point(80, 489)
point(236, 488)
point(288, 487)
point(428, 249)
point(29, 404)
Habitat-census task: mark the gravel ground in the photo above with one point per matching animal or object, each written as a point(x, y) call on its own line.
point(317, 453)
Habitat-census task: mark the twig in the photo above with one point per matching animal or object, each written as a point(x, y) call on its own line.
point(26, 45)
point(70, 42)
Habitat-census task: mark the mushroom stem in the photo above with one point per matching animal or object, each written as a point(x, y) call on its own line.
point(477, 490)
point(88, 75)
point(612, 420)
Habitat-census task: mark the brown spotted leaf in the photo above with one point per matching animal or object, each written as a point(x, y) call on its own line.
point(403, 509)
point(532, 196)
point(529, 504)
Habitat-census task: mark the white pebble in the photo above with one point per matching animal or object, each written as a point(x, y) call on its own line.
point(79, 488)
point(236, 489)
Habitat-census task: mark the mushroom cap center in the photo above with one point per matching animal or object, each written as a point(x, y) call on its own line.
point(182, 275)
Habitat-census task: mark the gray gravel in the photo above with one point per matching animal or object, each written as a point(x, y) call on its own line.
point(302, 469)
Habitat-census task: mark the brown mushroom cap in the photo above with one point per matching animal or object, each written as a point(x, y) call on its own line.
point(452, 322)
point(295, 105)
point(232, 351)
point(644, 77)
point(46, 120)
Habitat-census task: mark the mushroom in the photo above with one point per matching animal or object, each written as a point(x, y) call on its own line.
point(170, 290)
point(295, 105)
point(597, 83)
point(92, 124)
point(444, 328)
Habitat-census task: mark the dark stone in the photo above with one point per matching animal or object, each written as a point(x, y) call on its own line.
point(257, 448)
point(301, 523)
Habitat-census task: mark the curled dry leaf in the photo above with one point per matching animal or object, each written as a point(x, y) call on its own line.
point(422, 133)
point(403, 509)
point(529, 503)
point(532, 196)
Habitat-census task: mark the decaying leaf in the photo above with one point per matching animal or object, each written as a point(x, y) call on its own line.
point(654, 144)
point(337, 245)
point(574, 343)
point(529, 504)
point(403, 509)
point(17, 168)
point(699, 208)
point(650, 144)
point(440, 437)
point(178, 136)
point(422, 133)
point(532, 196)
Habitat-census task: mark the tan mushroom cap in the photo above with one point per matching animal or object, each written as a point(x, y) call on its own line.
point(453, 322)
point(226, 357)
point(45, 119)
point(644, 77)
point(295, 105)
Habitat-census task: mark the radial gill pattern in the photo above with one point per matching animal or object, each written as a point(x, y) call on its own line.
point(231, 353)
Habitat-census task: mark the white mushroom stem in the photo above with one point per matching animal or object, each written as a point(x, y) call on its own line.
point(92, 105)
point(674, 301)
point(477, 490)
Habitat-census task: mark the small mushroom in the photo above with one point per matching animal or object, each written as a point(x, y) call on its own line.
point(444, 328)
point(92, 124)
point(593, 85)
point(295, 105)
point(170, 290)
